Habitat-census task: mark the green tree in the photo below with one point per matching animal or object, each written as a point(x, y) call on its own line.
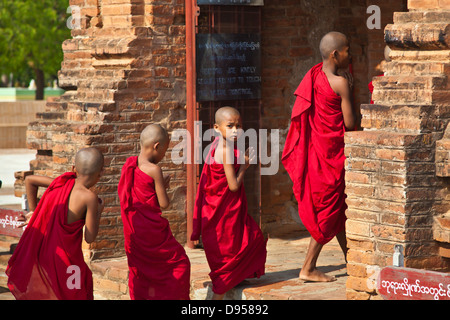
point(31, 35)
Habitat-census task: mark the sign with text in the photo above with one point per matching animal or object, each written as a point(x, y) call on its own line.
point(396, 283)
point(9, 222)
point(231, 2)
point(228, 66)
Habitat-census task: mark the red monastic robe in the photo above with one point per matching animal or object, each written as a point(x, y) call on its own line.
point(314, 156)
point(158, 264)
point(48, 262)
point(234, 244)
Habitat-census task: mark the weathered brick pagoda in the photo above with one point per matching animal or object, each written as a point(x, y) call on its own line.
point(398, 177)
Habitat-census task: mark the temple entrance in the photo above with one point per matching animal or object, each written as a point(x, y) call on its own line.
point(228, 73)
point(288, 35)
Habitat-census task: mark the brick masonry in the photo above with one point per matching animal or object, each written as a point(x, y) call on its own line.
point(397, 177)
point(123, 69)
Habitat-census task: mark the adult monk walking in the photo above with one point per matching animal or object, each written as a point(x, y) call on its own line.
point(314, 151)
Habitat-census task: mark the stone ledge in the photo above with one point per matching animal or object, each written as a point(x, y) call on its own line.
point(403, 118)
point(441, 234)
point(443, 155)
point(432, 36)
point(429, 16)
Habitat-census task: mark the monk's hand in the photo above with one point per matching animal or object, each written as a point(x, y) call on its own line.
point(250, 156)
point(25, 218)
point(345, 73)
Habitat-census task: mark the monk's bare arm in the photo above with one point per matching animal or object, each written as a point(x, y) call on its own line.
point(94, 208)
point(32, 184)
point(161, 183)
point(235, 179)
point(343, 89)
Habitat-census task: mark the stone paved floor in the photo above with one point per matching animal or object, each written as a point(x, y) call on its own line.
point(284, 260)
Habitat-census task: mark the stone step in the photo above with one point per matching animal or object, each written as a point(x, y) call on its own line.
point(418, 34)
point(428, 16)
point(417, 68)
point(402, 118)
point(411, 82)
point(110, 279)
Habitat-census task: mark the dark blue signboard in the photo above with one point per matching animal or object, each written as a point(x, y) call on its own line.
point(228, 66)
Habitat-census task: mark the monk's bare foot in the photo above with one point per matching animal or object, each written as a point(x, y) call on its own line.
point(315, 276)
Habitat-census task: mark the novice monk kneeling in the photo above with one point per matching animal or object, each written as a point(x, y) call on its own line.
point(314, 151)
point(48, 262)
point(159, 267)
point(234, 244)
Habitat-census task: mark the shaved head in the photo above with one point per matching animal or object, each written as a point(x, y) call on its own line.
point(89, 161)
point(332, 41)
point(223, 112)
point(152, 134)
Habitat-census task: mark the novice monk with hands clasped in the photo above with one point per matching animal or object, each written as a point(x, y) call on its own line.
point(229, 127)
point(234, 245)
point(314, 151)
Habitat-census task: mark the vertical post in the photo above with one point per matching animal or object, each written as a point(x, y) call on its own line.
point(397, 258)
point(190, 116)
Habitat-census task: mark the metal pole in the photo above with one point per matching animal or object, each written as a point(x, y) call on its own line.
point(190, 116)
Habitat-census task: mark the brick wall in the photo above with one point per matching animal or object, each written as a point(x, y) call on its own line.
point(123, 69)
point(394, 192)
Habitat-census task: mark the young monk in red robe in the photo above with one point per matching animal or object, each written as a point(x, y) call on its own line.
point(48, 262)
point(158, 264)
point(314, 151)
point(234, 244)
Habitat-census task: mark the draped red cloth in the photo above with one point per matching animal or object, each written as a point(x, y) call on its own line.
point(158, 264)
point(371, 87)
point(48, 262)
point(234, 244)
point(314, 156)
